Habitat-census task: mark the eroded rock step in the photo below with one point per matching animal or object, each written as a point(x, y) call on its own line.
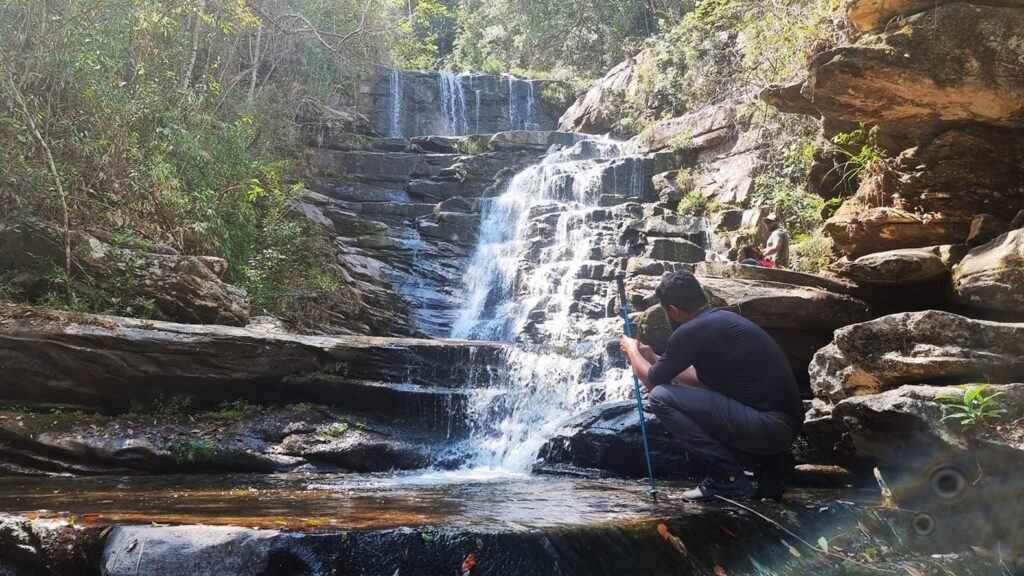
point(103, 362)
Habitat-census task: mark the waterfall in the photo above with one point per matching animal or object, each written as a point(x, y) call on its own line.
point(519, 119)
point(395, 86)
point(535, 239)
point(531, 123)
point(453, 103)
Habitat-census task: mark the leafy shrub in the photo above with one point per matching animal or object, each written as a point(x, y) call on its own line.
point(193, 450)
point(148, 110)
point(695, 203)
point(799, 210)
point(970, 407)
point(811, 253)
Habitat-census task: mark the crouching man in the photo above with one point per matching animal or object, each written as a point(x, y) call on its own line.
point(724, 389)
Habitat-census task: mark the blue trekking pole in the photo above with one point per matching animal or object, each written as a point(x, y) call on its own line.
point(620, 279)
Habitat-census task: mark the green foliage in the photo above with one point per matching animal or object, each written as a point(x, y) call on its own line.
point(428, 32)
point(722, 49)
point(799, 210)
point(234, 410)
point(471, 146)
point(338, 429)
point(970, 407)
point(193, 450)
point(811, 253)
point(149, 110)
point(696, 203)
point(573, 40)
point(682, 141)
point(557, 96)
point(172, 407)
point(859, 154)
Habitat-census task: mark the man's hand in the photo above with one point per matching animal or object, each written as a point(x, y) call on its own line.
point(640, 365)
point(648, 353)
point(628, 345)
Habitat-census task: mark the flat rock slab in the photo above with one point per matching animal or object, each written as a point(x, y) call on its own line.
point(536, 526)
point(928, 347)
point(104, 362)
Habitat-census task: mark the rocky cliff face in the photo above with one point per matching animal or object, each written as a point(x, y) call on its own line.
point(940, 88)
point(407, 104)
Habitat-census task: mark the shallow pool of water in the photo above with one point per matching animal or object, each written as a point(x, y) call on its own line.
point(482, 500)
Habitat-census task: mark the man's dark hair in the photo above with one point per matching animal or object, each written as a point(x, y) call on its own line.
point(682, 290)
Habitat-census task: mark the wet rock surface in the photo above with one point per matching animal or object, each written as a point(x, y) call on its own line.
point(643, 538)
point(406, 104)
point(102, 362)
point(604, 440)
point(236, 438)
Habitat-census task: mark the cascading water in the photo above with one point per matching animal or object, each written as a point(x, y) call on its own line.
point(395, 86)
point(536, 238)
point(453, 103)
point(521, 119)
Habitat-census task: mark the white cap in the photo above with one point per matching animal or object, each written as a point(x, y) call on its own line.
point(772, 216)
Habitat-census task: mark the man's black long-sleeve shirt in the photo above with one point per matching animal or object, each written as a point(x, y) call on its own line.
point(734, 357)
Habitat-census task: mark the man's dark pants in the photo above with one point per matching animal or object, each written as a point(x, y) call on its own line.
point(721, 432)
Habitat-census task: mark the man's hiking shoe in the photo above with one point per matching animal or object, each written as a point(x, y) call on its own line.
point(733, 488)
point(771, 474)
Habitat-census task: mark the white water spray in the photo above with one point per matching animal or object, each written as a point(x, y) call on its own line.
point(535, 239)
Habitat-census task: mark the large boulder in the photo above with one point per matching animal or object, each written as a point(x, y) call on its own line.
point(606, 438)
point(704, 128)
point(901, 267)
point(597, 110)
point(916, 347)
point(903, 428)
point(105, 362)
point(769, 304)
point(958, 62)
point(857, 231)
point(181, 288)
point(992, 275)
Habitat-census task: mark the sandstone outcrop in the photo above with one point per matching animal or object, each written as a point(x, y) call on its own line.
point(929, 347)
point(927, 72)
point(596, 111)
point(902, 267)
point(992, 275)
point(180, 288)
point(105, 362)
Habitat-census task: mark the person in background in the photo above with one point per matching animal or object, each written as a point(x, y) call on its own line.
point(777, 249)
point(752, 257)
